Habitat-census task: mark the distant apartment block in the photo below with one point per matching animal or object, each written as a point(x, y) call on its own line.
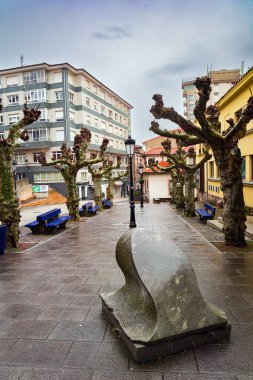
point(69, 99)
point(221, 82)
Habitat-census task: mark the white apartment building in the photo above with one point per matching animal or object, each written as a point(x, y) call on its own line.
point(221, 82)
point(68, 99)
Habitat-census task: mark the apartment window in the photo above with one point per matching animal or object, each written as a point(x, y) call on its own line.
point(36, 76)
point(59, 96)
point(96, 122)
point(87, 102)
point(103, 125)
point(59, 116)
point(12, 100)
point(20, 158)
point(72, 116)
point(95, 106)
point(37, 134)
point(35, 96)
point(1, 118)
point(95, 90)
point(84, 176)
point(71, 97)
point(211, 169)
point(44, 114)
point(102, 110)
point(1, 101)
point(120, 119)
point(1, 135)
point(116, 130)
point(110, 114)
point(60, 135)
point(111, 143)
point(36, 156)
point(116, 116)
point(96, 139)
point(109, 99)
point(191, 107)
point(13, 118)
point(88, 119)
point(120, 132)
point(110, 128)
point(72, 135)
point(48, 177)
point(103, 95)
point(56, 155)
point(216, 94)
point(191, 117)
point(124, 121)
point(12, 81)
point(116, 144)
point(243, 168)
point(125, 133)
point(126, 162)
point(190, 98)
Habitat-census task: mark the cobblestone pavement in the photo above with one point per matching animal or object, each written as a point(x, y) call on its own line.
point(51, 324)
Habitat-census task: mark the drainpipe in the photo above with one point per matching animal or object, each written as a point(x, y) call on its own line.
point(66, 107)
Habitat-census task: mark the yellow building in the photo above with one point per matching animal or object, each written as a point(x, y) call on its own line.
point(230, 106)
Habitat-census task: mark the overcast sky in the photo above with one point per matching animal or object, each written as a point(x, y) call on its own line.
point(135, 47)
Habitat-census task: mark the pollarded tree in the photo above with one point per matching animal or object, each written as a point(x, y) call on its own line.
point(225, 149)
point(9, 203)
point(98, 174)
point(179, 159)
point(177, 178)
point(70, 162)
point(111, 181)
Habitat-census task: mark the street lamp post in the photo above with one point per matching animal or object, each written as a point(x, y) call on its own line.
point(141, 181)
point(130, 143)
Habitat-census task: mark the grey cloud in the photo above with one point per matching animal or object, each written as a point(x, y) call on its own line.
point(169, 70)
point(112, 33)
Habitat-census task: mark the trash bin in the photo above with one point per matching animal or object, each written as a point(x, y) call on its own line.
point(2, 239)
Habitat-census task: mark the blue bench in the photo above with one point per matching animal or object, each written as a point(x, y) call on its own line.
point(88, 209)
point(52, 226)
point(207, 213)
point(48, 222)
point(106, 203)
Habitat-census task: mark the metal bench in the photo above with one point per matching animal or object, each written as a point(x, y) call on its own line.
point(48, 222)
point(92, 210)
point(106, 203)
point(53, 226)
point(207, 213)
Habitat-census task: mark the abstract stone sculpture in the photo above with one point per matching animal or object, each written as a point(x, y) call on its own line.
point(160, 310)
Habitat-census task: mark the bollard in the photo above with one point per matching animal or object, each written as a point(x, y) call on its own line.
point(2, 239)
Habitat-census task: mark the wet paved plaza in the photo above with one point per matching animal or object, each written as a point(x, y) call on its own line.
point(51, 324)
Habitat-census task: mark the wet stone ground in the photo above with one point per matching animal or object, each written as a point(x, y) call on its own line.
point(52, 326)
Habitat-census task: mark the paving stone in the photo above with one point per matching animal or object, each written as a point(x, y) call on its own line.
point(81, 288)
point(116, 375)
point(20, 311)
point(79, 331)
point(29, 352)
point(227, 358)
point(64, 313)
point(6, 344)
point(107, 356)
point(199, 376)
point(27, 329)
point(10, 373)
point(53, 374)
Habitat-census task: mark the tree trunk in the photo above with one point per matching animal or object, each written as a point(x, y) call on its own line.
point(72, 196)
point(189, 193)
point(9, 204)
point(98, 192)
point(234, 214)
point(110, 191)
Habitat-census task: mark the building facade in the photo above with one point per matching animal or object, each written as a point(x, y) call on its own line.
point(68, 99)
point(230, 105)
point(221, 82)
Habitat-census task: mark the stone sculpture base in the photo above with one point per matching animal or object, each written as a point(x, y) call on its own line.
point(144, 352)
point(160, 310)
